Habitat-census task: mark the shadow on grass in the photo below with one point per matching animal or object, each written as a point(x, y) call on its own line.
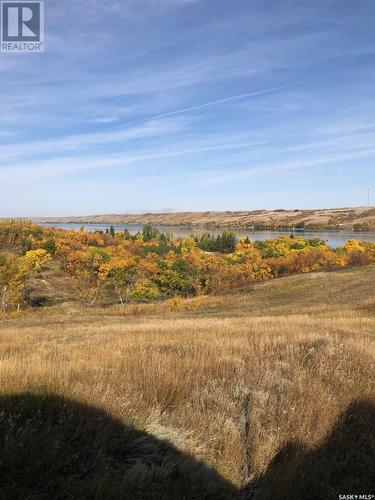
point(344, 464)
point(53, 449)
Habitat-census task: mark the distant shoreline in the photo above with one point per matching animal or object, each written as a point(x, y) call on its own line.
point(213, 227)
point(334, 219)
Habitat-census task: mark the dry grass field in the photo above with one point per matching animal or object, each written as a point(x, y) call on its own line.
point(273, 388)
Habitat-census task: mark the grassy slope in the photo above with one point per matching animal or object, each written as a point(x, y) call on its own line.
point(273, 387)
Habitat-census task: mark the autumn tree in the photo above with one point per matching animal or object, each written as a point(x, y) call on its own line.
point(14, 273)
point(121, 274)
point(84, 266)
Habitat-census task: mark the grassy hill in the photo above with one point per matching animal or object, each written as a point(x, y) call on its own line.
point(344, 218)
point(273, 389)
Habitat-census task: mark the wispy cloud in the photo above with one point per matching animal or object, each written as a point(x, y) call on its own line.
point(172, 94)
point(83, 141)
point(265, 170)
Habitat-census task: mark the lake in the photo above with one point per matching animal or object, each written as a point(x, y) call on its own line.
point(333, 238)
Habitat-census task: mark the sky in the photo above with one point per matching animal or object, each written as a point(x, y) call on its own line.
point(140, 105)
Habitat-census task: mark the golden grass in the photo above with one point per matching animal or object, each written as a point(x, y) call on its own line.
point(230, 379)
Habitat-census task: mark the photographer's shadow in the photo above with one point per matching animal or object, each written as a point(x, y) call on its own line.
point(53, 448)
point(343, 464)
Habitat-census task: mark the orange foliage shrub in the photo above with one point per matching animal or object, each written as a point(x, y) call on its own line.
point(152, 265)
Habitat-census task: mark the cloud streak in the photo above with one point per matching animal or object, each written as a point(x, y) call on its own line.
point(180, 97)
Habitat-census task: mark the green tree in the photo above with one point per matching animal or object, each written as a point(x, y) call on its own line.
point(226, 242)
point(206, 242)
point(50, 246)
point(149, 233)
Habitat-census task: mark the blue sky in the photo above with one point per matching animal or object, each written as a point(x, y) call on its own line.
point(190, 105)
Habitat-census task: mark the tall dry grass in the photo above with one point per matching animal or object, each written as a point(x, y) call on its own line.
point(230, 380)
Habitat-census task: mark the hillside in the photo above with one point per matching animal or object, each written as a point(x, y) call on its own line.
point(272, 388)
point(335, 218)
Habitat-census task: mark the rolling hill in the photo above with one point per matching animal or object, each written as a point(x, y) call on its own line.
point(361, 218)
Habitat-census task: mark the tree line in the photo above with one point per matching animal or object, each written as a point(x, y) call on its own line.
point(109, 266)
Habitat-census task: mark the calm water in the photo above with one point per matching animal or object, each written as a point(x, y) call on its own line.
point(333, 238)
